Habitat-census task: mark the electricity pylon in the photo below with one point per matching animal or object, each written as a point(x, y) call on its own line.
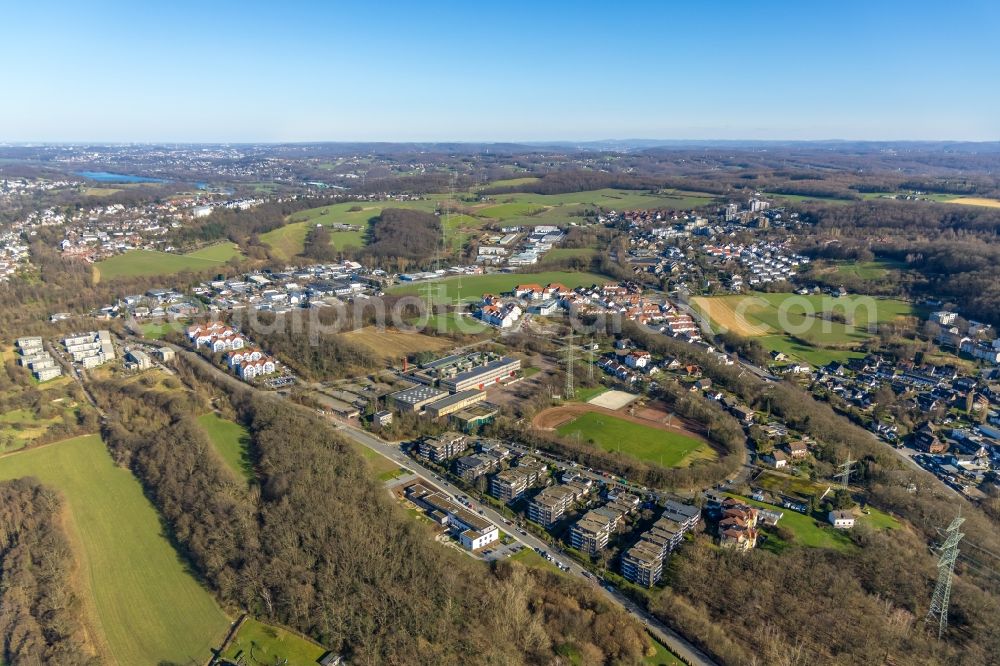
point(946, 569)
point(846, 469)
point(570, 392)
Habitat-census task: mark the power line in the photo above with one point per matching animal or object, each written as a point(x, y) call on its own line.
point(938, 610)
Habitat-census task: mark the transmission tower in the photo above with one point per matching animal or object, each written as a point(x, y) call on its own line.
point(946, 567)
point(846, 469)
point(569, 366)
point(590, 361)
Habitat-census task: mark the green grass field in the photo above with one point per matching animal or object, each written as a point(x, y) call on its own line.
point(153, 262)
point(230, 441)
point(516, 208)
point(472, 287)
point(379, 464)
point(138, 597)
point(261, 643)
point(530, 558)
point(866, 270)
point(665, 448)
point(808, 531)
point(156, 331)
point(815, 329)
point(559, 253)
point(453, 322)
point(220, 252)
point(662, 656)
point(588, 393)
point(878, 519)
point(793, 486)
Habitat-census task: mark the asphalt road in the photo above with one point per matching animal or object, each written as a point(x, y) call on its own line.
point(677, 644)
point(674, 641)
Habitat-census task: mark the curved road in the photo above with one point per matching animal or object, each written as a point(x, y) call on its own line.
point(677, 643)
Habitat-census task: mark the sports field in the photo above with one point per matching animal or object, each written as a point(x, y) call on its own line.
point(472, 287)
point(153, 262)
point(140, 603)
point(814, 328)
point(230, 440)
point(670, 447)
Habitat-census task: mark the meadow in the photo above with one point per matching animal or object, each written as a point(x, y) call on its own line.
point(259, 643)
point(815, 328)
point(669, 449)
point(467, 288)
point(465, 219)
point(154, 262)
point(807, 531)
point(393, 344)
point(141, 605)
point(230, 441)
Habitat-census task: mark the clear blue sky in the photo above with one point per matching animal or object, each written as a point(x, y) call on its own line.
point(303, 71)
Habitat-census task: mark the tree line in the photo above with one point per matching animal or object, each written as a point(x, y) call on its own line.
point(39, 610)
point(316, 544)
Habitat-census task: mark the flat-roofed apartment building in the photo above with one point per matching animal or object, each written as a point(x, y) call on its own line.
point(509, 484)
point(642, 564)
point(638, 565)
point(443, 447)
point(470, 468)
point(590, 534)
point(414, 399)
point(455, 403)
point(480, 377)
point(550, 504)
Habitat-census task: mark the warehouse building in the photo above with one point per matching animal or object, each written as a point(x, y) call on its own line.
point(482, 376)
point(416, 398)
point(455, 403)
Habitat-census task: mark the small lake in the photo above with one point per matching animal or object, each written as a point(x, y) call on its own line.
point(108, 177)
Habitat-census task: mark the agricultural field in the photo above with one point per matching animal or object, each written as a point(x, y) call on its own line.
point(814, 329)
point(520, 208)
point(230, 440)
point(799, 198)
point(866, 270)
point(666, 447)
point(289, 240)
point(259, 643)
point(559, 253)
point(975, 201)
point(141, 606)
point(153, 262)
point(394, 344)
point(468, 288)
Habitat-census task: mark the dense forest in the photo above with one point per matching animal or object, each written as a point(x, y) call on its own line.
point(949, 251)
point(39, 611)
point(402, 238)
point(316, 544)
